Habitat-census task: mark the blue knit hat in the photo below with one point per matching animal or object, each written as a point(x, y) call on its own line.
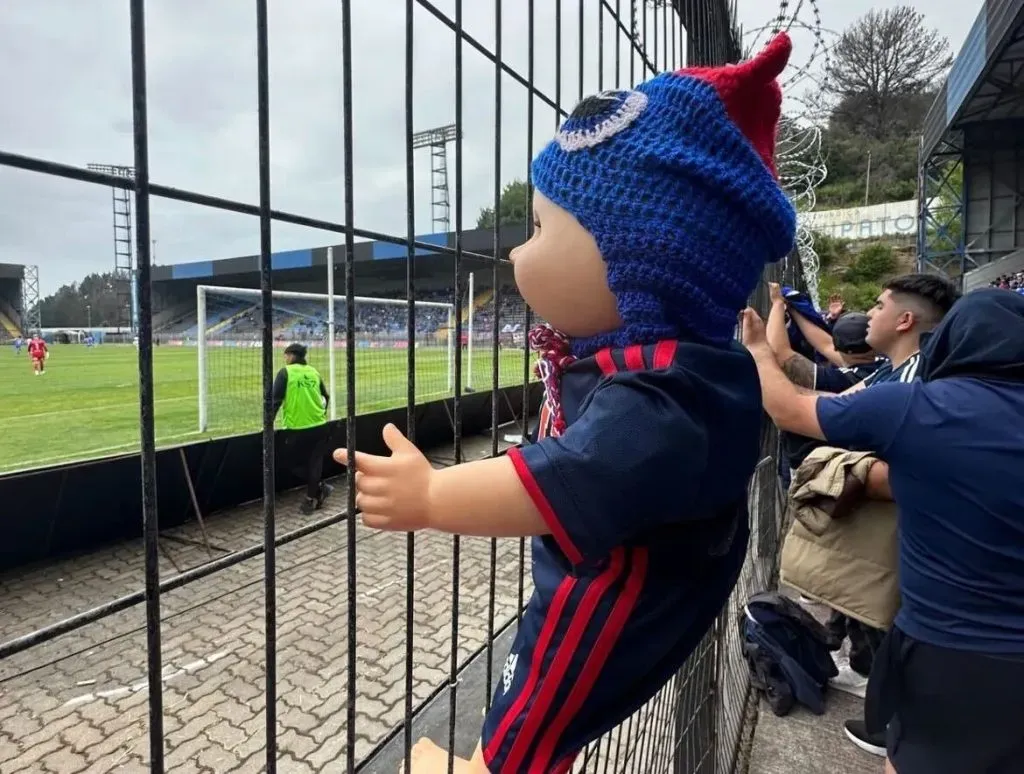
point(675, 180)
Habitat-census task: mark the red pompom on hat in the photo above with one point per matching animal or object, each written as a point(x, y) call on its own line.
point(751, 93)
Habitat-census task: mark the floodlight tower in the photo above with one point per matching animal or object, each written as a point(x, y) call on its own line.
point(31, 315)
point(124, 247)
point(437, 140)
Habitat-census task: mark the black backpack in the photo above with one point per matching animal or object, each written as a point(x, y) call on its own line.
point(788, 652)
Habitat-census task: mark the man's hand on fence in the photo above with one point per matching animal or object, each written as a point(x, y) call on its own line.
point(393, 492)
point(752, 332)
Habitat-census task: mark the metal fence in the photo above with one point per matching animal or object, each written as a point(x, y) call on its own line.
point(697, 722)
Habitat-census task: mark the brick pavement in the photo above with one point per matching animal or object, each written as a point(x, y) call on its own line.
point(79, 703)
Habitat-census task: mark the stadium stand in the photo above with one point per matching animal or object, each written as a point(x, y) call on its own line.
point(10, 302)
point(1014, 282)
point(235, 318)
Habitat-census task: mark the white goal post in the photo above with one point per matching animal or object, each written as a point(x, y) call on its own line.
point(206, 336)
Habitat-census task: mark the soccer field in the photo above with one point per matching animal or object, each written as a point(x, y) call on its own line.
point(86, 405)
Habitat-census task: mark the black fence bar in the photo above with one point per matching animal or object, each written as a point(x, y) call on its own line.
point(147, 427)
point(527, 364)
point(410, 420)
point(267, 376)
point(350, 378)
point(453, 667)
point(496, 279)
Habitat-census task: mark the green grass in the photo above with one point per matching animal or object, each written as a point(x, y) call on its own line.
point(86, 405)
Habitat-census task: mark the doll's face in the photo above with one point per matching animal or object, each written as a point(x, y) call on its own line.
point(562, 276)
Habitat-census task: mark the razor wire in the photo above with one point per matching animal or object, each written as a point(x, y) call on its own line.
point(802, 165)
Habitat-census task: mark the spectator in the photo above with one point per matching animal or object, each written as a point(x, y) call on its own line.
point(908, 307)
point(948, 683)
point(1014, 282)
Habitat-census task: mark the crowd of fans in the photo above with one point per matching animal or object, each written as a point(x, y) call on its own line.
point(908, 414)
point(232, 317)
point(1014, 282)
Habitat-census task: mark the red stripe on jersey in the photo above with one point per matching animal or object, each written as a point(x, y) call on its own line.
point(634, 356)
point(588, 676)
point(547, 632)
point(665, 353)
point(606, 362)
point(540, 501)
point(515, 763)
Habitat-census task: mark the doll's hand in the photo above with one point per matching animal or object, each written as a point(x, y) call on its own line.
point(393, 492)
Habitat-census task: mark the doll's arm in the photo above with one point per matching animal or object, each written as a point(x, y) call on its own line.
point(484, 498)
point(404, 492)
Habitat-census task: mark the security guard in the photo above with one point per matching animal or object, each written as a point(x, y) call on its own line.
point(300, 390)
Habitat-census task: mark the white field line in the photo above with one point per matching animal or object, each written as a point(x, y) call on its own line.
point(87, 454)
point(101, 407)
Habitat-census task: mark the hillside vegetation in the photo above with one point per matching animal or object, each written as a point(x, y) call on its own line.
point(858, 270)
point(882, 78)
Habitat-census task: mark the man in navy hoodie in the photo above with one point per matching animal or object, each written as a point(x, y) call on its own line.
point(948, 683)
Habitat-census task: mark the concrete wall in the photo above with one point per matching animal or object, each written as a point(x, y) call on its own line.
point(871, 222)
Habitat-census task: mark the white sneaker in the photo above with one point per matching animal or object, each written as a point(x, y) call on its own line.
point(849, 681)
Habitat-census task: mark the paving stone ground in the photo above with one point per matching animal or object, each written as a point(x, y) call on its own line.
point(80, 703)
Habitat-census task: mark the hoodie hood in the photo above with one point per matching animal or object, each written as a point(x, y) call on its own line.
point(982, 336)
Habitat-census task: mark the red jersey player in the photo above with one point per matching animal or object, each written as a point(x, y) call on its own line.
point(38, 352)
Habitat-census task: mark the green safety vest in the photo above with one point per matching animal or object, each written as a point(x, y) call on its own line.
point(303, 404)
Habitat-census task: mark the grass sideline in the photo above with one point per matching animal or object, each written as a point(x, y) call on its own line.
point(86, 405)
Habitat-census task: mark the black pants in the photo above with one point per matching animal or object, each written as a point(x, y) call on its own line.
point(864, 641)
point(947, 711)
point(302, 453)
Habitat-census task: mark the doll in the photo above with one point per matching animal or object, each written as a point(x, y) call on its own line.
point(655, 212)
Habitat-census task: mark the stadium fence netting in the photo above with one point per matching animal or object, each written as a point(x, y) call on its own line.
point(388, 353)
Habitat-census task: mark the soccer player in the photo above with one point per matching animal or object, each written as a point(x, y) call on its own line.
point(300, 391)
point(18, 342)
point(38, 351)
point(947, 685)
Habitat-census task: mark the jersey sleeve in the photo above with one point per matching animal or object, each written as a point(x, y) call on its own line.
point(625, 465)
point(866, 420)
point(829, 378)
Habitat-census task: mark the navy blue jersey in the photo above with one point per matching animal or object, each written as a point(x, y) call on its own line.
point(905, 372)
point(954, 441)
point(645, 497)
point(836, 379)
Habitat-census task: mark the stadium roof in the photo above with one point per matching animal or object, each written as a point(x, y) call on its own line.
point(11, 271)
point(986, 81)
point(478, 241)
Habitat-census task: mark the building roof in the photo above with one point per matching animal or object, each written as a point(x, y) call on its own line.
point(479, 242)
point(987, 77)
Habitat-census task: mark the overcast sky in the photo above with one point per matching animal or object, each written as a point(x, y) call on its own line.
point(65, 88)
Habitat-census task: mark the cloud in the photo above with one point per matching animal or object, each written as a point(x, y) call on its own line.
point(65, 78)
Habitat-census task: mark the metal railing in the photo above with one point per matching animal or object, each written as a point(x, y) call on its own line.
point(696, 722)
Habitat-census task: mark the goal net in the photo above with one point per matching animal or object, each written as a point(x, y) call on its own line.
point(228, 336)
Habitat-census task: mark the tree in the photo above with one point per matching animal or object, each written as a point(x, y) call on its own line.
point(514, 207)
point(883, 72)
point(67, 307)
